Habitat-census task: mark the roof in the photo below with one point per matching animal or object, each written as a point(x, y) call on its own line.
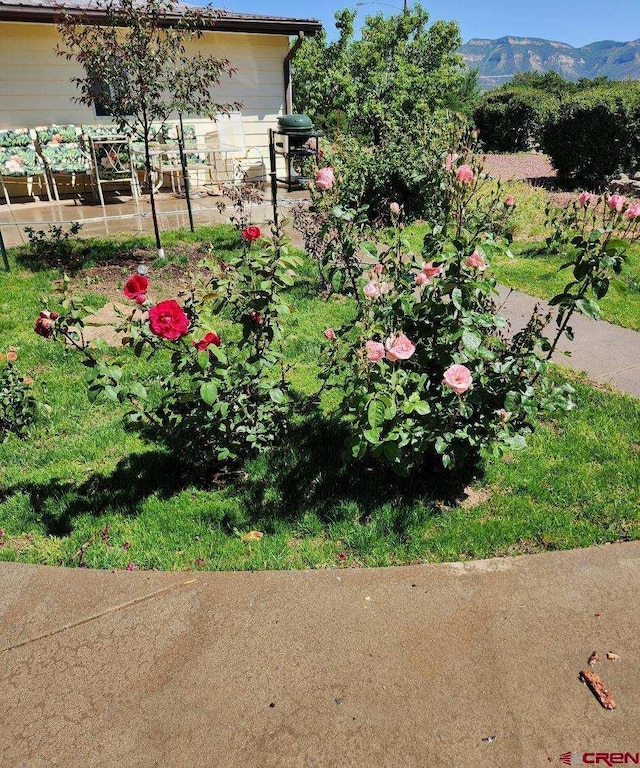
point(47, 12)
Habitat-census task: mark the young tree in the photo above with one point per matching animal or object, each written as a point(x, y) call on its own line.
point(399, 72)
point(136, 63)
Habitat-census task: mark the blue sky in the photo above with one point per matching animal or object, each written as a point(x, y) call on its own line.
point(576, 22)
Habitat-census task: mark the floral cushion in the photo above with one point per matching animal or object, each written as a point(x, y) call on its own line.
point(57, 134)
point(113, 159)
point(65, 158)
point(20, 161)
point(172, 156)
point(16, 137)
point(100, 130)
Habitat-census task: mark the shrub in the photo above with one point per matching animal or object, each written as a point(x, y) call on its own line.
point(596, 133)
point(512, 119)
point(223, 394)
point(18, 405)
point(405, 168)
point(426, 369)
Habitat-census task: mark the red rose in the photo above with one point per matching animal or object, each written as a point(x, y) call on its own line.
point(44, 323)
point(251, 233)
point(167, 319)
point(256, 317)
point(136, 288)
point(210, 338)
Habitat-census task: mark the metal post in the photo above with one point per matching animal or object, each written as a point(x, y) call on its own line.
point(185, 172)
point(5, 258)
point(273, 173)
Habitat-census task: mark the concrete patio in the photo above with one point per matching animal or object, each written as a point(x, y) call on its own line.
point(123, 214)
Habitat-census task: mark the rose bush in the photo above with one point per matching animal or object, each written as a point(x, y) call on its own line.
point(427, 369)
point(18, 404)
point(223, 394)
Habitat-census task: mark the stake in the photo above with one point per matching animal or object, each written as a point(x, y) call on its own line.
point(4, 254)
point(185, 173)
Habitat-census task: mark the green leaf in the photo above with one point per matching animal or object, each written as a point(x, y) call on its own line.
point(391, 452)
point(588, 307)
point(111, 393)
point(138, 390)
point(471, 340)
point(456, 298)
point(209, 392)
point(277, 395)
point(375, 413)
point(422, 408)
point(372, 435)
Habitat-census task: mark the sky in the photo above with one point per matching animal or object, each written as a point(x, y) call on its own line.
point(577, 22)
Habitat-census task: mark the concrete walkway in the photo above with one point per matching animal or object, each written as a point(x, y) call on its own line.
point(607, 353)
point(472, 664)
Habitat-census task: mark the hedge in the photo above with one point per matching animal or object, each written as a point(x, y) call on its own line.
point(596, 133)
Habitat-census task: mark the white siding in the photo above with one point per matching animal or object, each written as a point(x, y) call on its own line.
point(35, 87)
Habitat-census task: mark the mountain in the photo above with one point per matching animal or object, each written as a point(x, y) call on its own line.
point(499, 60)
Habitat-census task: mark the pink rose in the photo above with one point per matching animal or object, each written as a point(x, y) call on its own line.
point(616, 202)
point(586, 198)
point(324, 178)
point(330, 334)
point(384, 287)
point(465, 174)
point(168, 320)
point(399, 347)
point(450, 160)
point(375, 351)
point(394, 208)
point(458, 378)
point(475, 261)
point(633, 211)
point(431, 271)
point(378, 269)
point(421, 279)
point(510, 201)
point(372, 290)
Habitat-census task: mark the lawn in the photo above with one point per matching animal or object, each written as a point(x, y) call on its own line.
point(82, 490)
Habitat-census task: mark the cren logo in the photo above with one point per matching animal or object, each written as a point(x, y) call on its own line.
point(600, 758)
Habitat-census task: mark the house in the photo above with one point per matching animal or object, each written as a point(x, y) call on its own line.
point(36, 87)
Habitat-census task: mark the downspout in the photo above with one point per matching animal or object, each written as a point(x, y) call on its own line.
point(288, 90)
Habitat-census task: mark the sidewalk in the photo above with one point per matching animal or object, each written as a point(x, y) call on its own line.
point(457, 665)
point(607, 353)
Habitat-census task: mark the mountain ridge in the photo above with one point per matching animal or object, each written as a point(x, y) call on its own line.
point(498, 60)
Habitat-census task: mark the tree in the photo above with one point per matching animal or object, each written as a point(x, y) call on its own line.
point(136, 61)
point(399, 72)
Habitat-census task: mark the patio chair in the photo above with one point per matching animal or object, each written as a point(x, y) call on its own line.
point(20, 160)
point(111, 159)
point(59, 146)
point(241, 164)
point(200, 160)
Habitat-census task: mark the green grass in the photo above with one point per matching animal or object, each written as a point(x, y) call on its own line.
point(81, 490)
point(537, 273)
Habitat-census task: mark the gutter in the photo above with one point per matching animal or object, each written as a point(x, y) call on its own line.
point(226, 23)
point(288, 89)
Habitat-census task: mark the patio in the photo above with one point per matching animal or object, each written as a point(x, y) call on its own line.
point(124, 214)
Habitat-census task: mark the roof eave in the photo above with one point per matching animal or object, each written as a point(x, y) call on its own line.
point(221, 24)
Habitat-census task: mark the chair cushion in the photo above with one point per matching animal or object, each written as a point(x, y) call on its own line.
point(16, 137)
point(20, 161)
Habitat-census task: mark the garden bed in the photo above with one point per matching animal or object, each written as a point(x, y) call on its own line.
point(82, 490)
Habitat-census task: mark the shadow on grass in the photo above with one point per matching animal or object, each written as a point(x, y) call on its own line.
point(303, 475)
